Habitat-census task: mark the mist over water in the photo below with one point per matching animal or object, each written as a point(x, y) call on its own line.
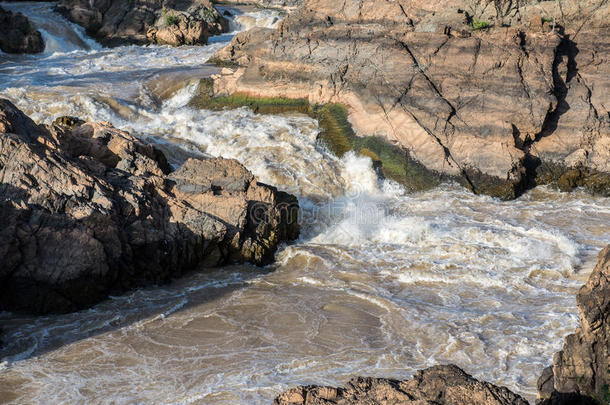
point(380, 283)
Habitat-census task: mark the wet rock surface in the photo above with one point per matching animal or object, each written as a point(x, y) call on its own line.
point(17, 35)
point(87, 209)
point(170, 22)
point(580, 373)
point(501, 108)
point(440, 385)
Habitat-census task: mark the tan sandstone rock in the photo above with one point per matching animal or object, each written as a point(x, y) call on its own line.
point(491, 108)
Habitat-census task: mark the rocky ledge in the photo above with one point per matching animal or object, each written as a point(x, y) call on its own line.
point(171, 22)
point(438, 385)
point(17, 35)
point(497, 99)
point(580, 374)
point(87, 209)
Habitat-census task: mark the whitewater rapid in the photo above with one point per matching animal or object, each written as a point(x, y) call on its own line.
point(381, 282)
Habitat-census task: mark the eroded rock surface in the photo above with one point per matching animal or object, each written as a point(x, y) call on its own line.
point(580, 373)
point(89, 210)
point(17, 35)
point(499, 109)
point(438, 385)
point(172, 22)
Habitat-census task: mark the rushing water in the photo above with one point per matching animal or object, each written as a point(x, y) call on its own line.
point(380, 283)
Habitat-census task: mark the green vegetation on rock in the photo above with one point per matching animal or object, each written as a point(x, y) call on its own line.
point(171, 20)
point(209, 15)
point(222, 63)
point(478, 25)
point(336, 133)
point(261, 105)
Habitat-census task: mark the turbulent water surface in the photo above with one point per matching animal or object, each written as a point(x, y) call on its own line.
point(380, 283)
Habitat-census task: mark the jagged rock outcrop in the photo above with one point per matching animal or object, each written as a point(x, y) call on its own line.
point(580, 373)
point(574, 144)
point(438, 385)
point(172, 22)
point(89, 210)
point(17, 35)
point(498, 109)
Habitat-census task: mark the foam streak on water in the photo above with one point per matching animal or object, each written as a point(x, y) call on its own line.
point(380, 283)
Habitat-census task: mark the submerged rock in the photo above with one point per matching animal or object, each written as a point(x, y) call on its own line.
point(493, 108)
point(171, 22)
point(87, 209)
point(17, 35)
point(580, 373)
point(438, 385)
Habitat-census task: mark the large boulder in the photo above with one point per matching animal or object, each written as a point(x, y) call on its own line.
point(171, 22)
point(17, 35)
point(438, 385)
point(87, 209)
point(499, 108)
point(580, 373)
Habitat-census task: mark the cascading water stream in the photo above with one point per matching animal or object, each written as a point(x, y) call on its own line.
point(59, 35)
point(380, 283)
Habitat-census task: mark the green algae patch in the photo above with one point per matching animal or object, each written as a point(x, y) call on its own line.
point(222, 63)
point(336, 133)
point(263, 105)
point(478, 25)
point(393, 161)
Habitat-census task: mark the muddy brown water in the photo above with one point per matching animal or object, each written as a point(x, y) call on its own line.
point(381, 282)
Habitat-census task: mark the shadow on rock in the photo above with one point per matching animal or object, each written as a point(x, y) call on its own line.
point(90, 210)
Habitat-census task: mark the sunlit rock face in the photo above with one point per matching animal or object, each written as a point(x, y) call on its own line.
point(162, 22)
point(500, 107)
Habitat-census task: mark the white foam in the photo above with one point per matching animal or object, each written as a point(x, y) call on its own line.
point(182, 97)
point(309, 280)
point(359, 176)
point(243, 21)
point(60, 35)
point(439, 266)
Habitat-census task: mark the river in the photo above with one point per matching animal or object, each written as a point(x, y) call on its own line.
point(380, 283)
